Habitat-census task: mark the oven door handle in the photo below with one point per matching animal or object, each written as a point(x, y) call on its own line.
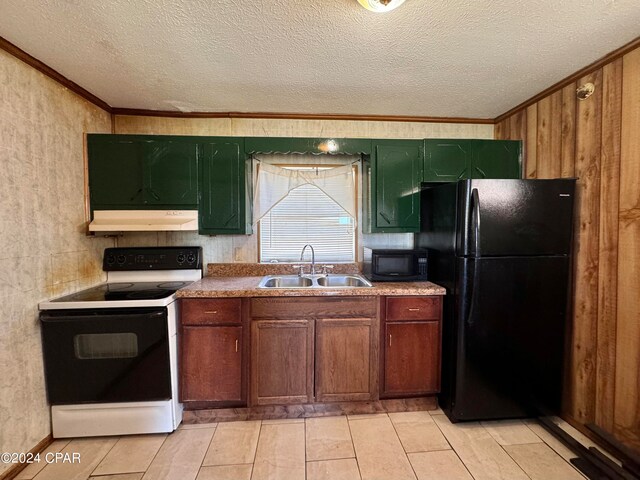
point(65, 316)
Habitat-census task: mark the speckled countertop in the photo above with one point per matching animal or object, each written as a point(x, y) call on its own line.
point(212, 287)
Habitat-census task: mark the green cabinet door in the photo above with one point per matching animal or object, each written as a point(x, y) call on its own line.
point(496, 159)
point(115, 171)
point(171, 172)
point(447, 160)
point(143, 172)
point(396, 173)
point(224, 169)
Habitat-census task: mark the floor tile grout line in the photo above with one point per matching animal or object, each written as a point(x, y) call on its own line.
point(207, 450)
point(404, 450)
point(514, 460)
point(255, 452)
point(555, 451)
point(158, 451)
point(353, 445)
point(453, 449)
point(66, 440)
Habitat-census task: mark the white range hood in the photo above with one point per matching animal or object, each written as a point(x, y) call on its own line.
point(144, 220)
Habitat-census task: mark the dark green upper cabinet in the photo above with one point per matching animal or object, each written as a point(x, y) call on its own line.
point(392, 190)
point(496, 159)
point(449, 160)
point(143, 172)
point(115, 170)
point(172, 172)
point(225, 172)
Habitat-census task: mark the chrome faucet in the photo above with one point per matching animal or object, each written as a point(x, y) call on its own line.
point(313, 257)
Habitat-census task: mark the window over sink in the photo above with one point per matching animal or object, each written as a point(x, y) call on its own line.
point(307, 215)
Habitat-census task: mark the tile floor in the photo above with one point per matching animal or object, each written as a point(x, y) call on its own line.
point(395, 446)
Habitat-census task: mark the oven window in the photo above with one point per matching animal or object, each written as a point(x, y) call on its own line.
point(394, 265)
point(92, 346)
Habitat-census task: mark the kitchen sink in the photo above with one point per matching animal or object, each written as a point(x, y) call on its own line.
point(343, 281)
point(285, 281)
point(313, 281)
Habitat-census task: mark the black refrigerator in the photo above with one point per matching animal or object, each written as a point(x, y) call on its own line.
point(502, 250)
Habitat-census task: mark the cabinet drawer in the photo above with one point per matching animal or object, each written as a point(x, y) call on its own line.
point(413, 308)
point(313, 307)
point(211, 311)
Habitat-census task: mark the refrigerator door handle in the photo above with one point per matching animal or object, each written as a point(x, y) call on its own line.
point(472, 294)
point(475, 214)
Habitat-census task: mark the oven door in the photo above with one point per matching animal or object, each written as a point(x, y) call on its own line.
point(107, 355)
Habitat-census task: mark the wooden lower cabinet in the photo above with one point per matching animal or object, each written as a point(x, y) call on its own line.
point(213, 353)
point(211, 369)
point(306, 349)
point(411, 358)
point(346, 353)
point(282, 353)
point(411, 346)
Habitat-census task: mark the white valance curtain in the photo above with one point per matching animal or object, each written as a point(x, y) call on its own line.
point(273, 183)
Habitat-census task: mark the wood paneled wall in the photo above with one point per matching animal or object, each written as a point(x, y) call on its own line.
point(597, 140)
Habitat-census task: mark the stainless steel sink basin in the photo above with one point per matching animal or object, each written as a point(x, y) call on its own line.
point(343, 281)
point(313, 281)
point(285, 281)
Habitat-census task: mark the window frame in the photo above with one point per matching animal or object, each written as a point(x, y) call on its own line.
point(356, 193)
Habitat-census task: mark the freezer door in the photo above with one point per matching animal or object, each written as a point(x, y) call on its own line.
point(510, 337)
point(515, 217)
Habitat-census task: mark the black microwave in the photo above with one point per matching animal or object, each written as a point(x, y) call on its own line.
point(394, 265)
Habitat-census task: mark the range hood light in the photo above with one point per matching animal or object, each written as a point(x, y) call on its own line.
point(380, 5)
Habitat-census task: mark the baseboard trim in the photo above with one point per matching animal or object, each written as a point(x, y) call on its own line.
point(16, 468)
point(309, 410)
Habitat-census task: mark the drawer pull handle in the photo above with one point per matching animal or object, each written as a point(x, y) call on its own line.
point(236, 345)
point(390, 339)
point(414, 309)
point(211, 312)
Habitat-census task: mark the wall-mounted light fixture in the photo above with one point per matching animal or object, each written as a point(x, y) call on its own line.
point(585, 91)
point(328, 146)
point(380, 5)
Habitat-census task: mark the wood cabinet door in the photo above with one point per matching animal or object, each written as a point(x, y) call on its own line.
point(211, 367)
point(395, 189)
point(496, 159)
point(223, 191)
point(447, 160)
point(282, 361)
point(346, 359)
point(411, 358)
point(171, 172)
point(115, 171)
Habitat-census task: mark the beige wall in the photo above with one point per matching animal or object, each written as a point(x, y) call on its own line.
point(596, 140)
point(43, 250)
point(243, 248)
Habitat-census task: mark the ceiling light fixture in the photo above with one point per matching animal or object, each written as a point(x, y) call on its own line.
point(380, 5)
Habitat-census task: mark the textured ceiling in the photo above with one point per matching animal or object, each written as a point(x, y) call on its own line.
point(427, 58)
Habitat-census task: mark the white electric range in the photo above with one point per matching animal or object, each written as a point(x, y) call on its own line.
point(111, 351)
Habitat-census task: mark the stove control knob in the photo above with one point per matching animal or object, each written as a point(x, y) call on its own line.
point(121, 259)
point(111, 259)
point(180, 258)
point(191, 258)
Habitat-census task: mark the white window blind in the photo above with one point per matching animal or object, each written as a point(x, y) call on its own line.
point(307, 215)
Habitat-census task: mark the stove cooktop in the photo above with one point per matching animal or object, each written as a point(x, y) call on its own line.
point(124, 291)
